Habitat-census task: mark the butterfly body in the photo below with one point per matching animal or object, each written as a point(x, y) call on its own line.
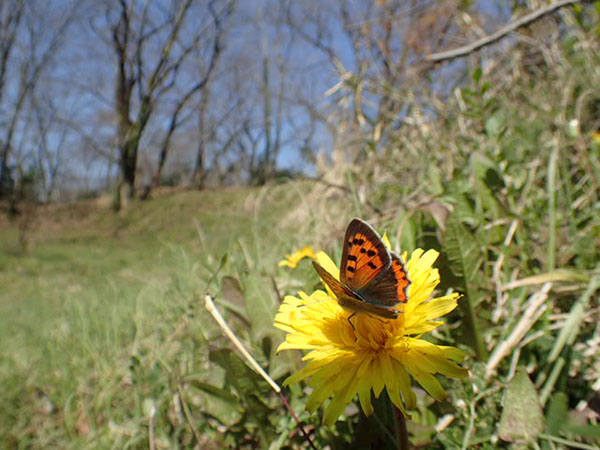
point(372, 279)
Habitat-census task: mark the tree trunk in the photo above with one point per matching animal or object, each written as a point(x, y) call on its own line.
point(200, 170)
point(199, 176)
point(5, 178)
point(265, 168)
point(128, 165)
point(129, 141)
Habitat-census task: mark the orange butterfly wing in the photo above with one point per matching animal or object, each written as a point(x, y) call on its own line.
point(402, 280)
point(338, 288)
point(373, 279)
point(364, 255)
point(390, 287)
point(351, 300)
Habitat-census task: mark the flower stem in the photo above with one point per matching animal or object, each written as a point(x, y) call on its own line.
point(402, 441)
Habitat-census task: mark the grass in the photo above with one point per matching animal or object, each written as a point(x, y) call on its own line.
point(95, 315)
point(106, 343)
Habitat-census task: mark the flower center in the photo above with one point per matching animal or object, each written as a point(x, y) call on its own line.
point(375, 334)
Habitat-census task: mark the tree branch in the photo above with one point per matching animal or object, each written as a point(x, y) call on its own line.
point(502, 32)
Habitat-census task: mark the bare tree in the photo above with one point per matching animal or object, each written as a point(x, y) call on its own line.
point(28, 43)
point(150, 53)
point(216, 34)
point(199, 173)
point(50, 150)
point(386, 71)
point(259, 76)
point(11, 14)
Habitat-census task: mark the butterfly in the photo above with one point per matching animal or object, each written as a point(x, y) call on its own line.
point(372, 279)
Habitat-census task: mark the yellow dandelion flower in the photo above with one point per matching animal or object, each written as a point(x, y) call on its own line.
point(371, 353)
point(596, 140)
point(293, 259)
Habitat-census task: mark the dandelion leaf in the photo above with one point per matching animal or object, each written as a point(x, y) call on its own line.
point(522, 417)
point(260, 306)
point(216, 401)
point(463, 250)
point(465, 257)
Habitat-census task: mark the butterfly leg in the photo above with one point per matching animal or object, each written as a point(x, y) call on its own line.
point(350, 322)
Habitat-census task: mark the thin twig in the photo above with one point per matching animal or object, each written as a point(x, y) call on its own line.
point(514, 362)
point(151, 432)
point(556, 276)
point(470, 427)
point(444, 422)
point(530, 316)
point(187, 415)
point(567, 442)
point(502, 32)
point(210, 306)
point(500, 296)
point(473, 414)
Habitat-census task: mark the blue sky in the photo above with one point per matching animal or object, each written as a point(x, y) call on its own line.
point(78, 86)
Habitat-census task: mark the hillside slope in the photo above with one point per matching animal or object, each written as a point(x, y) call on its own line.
point(95, 292)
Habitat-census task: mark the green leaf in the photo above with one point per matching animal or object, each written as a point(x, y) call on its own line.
point(245, 381)
point(495, 125)
point(584, 431)
point(408, 238)
point(209, 397)
point(459, 192)
point(477, 75)
point(463, 250)
point(217, 402)
point(557, 413)
point(486, 170)
point(211, 389)
point(260, 306)
point(434, 177)
point(251, 388)
point(484, 88)
point(232, 292)
point(488, 182)
point(522, 419)
point(283, 363)
point(465, 256)
point(234, 299)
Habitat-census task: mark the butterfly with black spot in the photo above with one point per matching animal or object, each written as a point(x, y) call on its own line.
point(373, 279)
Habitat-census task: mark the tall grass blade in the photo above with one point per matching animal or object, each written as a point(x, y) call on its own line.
point(570, 330)
point(551, 187)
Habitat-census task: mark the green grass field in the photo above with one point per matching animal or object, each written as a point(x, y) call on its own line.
point(104, 311)
point(106, 342)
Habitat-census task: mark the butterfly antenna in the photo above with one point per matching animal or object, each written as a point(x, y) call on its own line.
point(317, 302)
